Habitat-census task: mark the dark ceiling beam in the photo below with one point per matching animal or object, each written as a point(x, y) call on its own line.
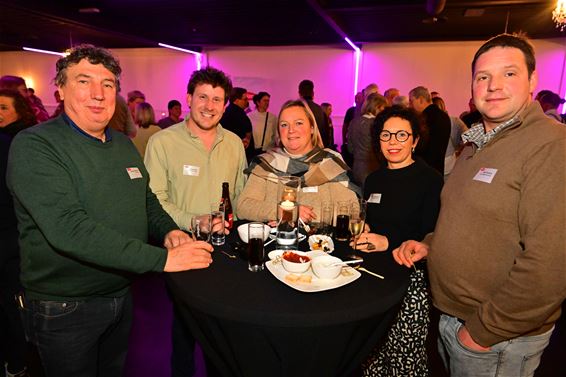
point(80, 25)
point(329, 20)
point(449, 4)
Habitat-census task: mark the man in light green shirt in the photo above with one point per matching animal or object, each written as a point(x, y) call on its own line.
point(188, 161)
point(187, 164)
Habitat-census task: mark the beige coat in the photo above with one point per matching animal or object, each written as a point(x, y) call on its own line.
point(258, 200)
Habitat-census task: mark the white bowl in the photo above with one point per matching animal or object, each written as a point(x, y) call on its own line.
point(325, 241)
point(243, 232)
point(322, 268)
point(296, 267)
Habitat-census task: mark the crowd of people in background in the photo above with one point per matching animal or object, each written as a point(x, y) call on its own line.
point(397, 152)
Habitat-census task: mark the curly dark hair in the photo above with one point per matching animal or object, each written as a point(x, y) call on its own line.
point(213, 77)
point(395, 112)
point(21, 105)
point(94, 55)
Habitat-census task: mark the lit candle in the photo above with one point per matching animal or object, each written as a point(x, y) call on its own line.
point(287, 205)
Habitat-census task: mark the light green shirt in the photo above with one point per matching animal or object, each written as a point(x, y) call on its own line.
point(186, 177)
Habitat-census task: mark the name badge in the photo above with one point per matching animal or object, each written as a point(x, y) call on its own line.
point(134, 173)
point(310, 189)
point(374, 198)
point(191, 170)
point(485, 175)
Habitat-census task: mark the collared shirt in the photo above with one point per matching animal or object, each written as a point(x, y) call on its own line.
point(186, 177)
point(75, 127)
point(480, 138)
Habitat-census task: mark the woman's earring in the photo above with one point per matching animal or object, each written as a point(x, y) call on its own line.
point(413, 150)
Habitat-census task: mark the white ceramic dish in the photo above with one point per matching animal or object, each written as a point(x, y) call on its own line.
point(323, 267)
point(243, 232)
point(296, 267)
point(324, 241)
point(347, 276)
point(277, 253)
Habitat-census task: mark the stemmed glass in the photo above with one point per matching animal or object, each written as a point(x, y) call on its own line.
point(357, 219)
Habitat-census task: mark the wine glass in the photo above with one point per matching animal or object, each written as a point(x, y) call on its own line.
point(357, 219)
point(201, 227)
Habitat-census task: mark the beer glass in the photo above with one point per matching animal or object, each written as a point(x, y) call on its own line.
point(201, 227)
point(218, 237)
point(256, 252)
point(326, 217)
point(341, 231)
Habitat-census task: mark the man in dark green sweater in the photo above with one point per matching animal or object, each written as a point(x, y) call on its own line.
point(85, 213)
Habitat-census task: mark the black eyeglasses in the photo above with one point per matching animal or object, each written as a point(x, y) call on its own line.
point(401, 136)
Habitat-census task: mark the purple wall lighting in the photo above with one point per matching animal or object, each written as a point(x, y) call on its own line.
point(358, 57)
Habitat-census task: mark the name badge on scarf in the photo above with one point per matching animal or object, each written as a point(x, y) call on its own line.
point(310, 189)
point(134, 173)
point(485, 175)
point(375, 198)
point(193, 171)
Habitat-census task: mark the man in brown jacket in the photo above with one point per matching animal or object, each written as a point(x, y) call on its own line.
point(497, 258)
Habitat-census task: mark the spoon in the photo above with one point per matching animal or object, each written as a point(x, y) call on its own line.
point(232, 256)
point(360, 268)
point(368, 271)
point(346, 262)
point(307, 228)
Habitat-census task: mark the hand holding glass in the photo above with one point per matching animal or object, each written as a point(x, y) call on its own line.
point(201, 227)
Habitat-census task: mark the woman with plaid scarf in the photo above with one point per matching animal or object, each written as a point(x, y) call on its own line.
point(299, 153)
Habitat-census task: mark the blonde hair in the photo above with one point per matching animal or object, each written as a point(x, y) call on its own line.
point(315, 135)
point(144, 115)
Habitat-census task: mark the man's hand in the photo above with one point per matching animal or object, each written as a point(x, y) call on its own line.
point(466, 339)
point(188, 256)
point(175, 238)
point(409, 252)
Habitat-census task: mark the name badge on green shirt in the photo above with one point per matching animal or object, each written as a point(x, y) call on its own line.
point(191, 170)
point(134, 173)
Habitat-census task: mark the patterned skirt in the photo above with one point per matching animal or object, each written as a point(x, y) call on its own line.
point(404, 353)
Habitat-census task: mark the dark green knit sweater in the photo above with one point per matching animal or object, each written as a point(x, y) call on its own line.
point(84, 220)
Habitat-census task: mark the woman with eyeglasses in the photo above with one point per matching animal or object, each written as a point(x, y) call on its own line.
point(403, 198)
point(299, 152)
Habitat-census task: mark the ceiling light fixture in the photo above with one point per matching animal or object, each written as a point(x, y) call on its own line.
point(358, 56)
point(198, 55)
point(44, 51)
point(559, 14)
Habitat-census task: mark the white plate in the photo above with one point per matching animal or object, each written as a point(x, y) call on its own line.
point(326, 241)
point(316, 285)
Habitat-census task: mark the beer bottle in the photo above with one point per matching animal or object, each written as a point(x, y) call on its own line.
point(225, 201)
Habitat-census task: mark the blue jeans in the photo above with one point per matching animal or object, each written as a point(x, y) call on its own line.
point(80, 338)
point(517, 357)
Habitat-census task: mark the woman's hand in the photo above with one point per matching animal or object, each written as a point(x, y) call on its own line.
point(306, 213)
point(409, 252)
point(371, 242)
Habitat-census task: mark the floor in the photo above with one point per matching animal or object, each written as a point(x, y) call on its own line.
point(150, 341)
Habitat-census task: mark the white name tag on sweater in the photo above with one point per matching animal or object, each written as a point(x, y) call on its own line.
point(134, 173)
point(374, 198)
point(191, 170)
point(485, 175)
point(310, 189)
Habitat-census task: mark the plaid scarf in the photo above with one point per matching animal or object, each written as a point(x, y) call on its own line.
point(316, 168)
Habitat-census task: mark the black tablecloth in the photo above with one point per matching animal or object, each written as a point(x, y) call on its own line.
point(251, 324)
